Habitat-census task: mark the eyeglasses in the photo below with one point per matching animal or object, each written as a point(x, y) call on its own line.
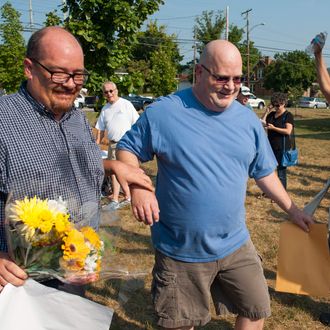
point(63, 77)
point(223, 79)
point(109, 91)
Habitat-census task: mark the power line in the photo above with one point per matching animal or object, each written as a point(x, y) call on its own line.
point(172, 18)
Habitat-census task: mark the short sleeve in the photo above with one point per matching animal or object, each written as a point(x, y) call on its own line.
point(289, 119)
point(264, 162)
point(138, 140)
point(100, 124)
point(135, 115)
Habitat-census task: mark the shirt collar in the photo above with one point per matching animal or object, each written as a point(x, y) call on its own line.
point(39, 107)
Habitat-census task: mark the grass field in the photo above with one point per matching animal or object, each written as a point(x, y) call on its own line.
point(130, 298)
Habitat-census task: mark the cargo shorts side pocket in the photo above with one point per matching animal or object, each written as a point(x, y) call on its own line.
point(164, 294)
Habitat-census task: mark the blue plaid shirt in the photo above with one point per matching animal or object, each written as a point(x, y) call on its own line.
point(48, 158)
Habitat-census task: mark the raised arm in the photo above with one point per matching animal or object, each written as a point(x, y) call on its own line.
point(273, 188)
point(268, 110)
point(322, 72)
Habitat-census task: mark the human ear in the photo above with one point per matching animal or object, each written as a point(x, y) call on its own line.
point(27, 68)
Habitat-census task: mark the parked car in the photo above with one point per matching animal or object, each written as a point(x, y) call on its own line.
point(79, 102)
point(256, 102)
point(139, 102)
point(312, 102)
point(93, 102)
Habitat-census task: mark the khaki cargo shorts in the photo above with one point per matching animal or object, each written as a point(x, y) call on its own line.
point(182, 291)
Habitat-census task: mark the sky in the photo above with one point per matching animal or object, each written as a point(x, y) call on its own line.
point(288, 24)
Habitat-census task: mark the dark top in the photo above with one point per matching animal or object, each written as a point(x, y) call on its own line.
point(275, 138)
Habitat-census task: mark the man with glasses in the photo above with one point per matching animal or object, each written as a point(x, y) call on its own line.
point(207, 145)
point(46, 144)
point(117, 117)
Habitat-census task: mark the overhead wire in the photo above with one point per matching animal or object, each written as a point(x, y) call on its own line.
point(180, 41)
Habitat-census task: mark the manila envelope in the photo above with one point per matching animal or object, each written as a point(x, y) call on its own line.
point(303, 260)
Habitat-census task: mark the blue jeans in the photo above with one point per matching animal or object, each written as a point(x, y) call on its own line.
point(281, 172)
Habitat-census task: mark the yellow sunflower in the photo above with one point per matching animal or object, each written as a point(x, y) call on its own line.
point(34, 213)
point(74, 246)
point(62, 223)
point(39, 219)
point(92, 236)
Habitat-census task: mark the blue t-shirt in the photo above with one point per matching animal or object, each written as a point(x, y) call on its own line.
point(204, 159)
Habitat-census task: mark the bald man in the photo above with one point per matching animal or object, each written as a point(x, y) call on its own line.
point(46, 144)
point(207, 145)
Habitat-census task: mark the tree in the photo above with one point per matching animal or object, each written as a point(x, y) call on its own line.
point(52, 19)
point(254, 56)
point(211, 26)
point(163, 73)
point(156, 56)
point(107, 31)
point(291, 72)
point(12, 49)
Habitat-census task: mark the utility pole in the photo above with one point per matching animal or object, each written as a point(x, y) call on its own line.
point(194, 66)
point(227, 23)
point(246, 13)
point(31, 16)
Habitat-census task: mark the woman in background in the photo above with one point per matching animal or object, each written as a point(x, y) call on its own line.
point(279, 125)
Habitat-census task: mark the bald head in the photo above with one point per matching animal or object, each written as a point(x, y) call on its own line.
point(221, 52)
point(53, 36)
point(217, 75)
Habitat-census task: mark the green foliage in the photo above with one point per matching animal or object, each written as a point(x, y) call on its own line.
point(52, 19)
point(107, 31)
point(290, 72)
point(134, 82)
point(235, 34)
point(254, 56)
point(294, 94)
point(211, 26)
point(156, 61)
point(12, 49)
point(162, 73)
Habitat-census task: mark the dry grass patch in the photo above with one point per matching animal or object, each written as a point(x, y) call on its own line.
point(131, 298)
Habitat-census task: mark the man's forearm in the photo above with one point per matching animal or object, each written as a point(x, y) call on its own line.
point(274, 189)
point(127, 158)
point(322, 75)
point(100, 135)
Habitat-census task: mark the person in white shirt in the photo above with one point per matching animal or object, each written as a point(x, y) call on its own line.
point(117, 117)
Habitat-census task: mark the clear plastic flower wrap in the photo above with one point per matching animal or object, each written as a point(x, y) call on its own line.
point(43, 240)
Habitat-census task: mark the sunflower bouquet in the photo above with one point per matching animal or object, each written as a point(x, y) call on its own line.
point(42, 240)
